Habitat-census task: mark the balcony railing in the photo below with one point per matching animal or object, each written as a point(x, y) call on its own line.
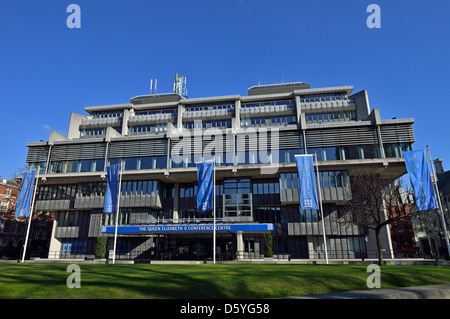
point(192, 220)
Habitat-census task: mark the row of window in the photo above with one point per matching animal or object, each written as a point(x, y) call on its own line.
point(149, 129)
point(265, 187)
point(270, 214)
point(97, 132)
point(125, 216)
point(68, 218)
point(205, 125)
point(324, 98)
point(335, 153)
point(290, 103)
point(148, 187)
point(327, 179)
point(124, 245)
point(179, 161)
point(74, 245)
point(222, 106)
point(144, 162)
point(273, 121)
point(332, 116)
point(97, 165)
point(93, 132)
point(69, 191)
point(79, 245)
point(106, 114)
point(241, 158)
point(163, 111)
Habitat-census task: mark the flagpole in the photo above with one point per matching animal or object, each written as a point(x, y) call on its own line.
point(438, 199)
point(29, 216)
point(321, 209)
point(117, 211)
point(214, 210)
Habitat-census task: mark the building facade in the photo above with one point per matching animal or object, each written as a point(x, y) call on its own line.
point(11, 229)
point(253, 139)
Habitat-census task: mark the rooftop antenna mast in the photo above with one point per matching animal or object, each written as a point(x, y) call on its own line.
point(153, 90)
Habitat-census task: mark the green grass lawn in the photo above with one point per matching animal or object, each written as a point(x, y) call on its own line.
point(208, 281)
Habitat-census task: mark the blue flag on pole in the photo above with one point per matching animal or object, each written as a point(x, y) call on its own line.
point(419, 176)
point(112, 189)
point(308, 192)
point(205, 171)
point(26, 192)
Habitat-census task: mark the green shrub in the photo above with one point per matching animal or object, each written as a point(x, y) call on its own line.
point(268, 245)
point(100, 247)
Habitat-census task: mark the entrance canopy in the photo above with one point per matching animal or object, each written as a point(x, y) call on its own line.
point(191, 228)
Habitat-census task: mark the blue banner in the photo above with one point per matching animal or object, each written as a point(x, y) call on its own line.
point(308, 192)
point(205, 172)
point(25, 195)
point(419, 176)
point(112, 189)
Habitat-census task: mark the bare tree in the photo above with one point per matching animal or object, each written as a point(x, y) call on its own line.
point(17, 172)
point(375, 202)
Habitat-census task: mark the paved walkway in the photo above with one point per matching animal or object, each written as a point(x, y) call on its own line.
point(418, 292)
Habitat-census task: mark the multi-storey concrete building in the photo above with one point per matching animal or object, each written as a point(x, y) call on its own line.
point(159, 137)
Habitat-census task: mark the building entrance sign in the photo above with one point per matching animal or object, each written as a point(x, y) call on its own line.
point(145, 229)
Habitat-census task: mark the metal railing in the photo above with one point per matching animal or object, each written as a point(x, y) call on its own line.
point(153, 254)
point(192, 220)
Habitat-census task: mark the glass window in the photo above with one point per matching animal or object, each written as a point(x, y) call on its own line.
point(318, 150)
point(351, 152)
point(99, 165)
point(147, 162)
point(85, 165)
point(288, 180)
point(161, 162)
point(277, 188)
point(325, 179)
point(369, 151)
point(295, 180)
point(332, 177)
point(155, 187)
point(266, 188)
point(131, 163)
point(331, 153)
point(260, 188)
point(271, 188)
point(74, 166)
point(139, 188)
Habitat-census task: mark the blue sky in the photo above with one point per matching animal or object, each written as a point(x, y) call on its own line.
point(223, 47)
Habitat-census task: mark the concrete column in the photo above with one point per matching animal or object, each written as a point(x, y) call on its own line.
point(74, 125)
point(298, 107)
point(55, 244)
point(310, 247)
point(239, 245)
point(237, 114)
point(176, 193)
point(126, 116)
point(181, 109)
